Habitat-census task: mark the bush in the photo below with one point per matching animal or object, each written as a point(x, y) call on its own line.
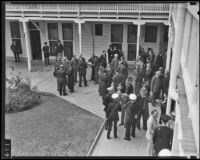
point(20, 94)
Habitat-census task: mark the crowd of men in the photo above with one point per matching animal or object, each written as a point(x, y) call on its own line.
point(120, 92)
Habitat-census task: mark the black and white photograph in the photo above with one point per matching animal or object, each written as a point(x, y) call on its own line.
point(100, 79)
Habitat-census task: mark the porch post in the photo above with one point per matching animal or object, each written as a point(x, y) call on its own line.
point(27, 43)
point(138, 39)
point(79, 21)
point(180, 23)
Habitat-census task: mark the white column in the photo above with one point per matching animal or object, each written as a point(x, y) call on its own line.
point(80, 37)
point(169, 46)
point(27, 43)
point(138, 39)
point(180, 23)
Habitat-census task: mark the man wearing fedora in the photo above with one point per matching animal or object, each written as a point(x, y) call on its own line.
point(45, 50)
point(162, 136)
point(131, 117)
point(112, 115)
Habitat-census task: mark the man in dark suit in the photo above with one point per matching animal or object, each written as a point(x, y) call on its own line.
point(102, 59)
point(142, 101)
point(159, 61)
point(112, 115)
point(94, 60)
point(45, 50)
point(16, 50)
point(74, 62)
point(61, 79)
point(117, 79)
point(110, 54)
point(155, 85)
point(162, 136)
point(82, 67)
point(131, 117)
point(71, 77)
point(59, 49)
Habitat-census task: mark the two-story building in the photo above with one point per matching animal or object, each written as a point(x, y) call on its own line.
point(85, 28)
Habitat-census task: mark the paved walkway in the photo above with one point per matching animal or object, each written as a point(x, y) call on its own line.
point(87, 98)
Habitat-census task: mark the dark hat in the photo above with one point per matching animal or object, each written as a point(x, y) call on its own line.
point(165, 118)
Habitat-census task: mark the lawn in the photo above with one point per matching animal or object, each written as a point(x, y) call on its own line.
point(53, 128)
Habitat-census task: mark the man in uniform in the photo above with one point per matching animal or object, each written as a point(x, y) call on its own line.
point(131, 117)
point(61, 79)
point(82, 67)
point(59, 49)
point(71, 78)
point(110, 54)
point(66, 64)
point(57, 66)
point(162, 136)
point(112, 115)
point(45, 50)
point(16, 51)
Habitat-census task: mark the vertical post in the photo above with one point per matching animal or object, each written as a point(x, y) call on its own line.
point(27, 44)
point(169, 46)
point(80, 37)
point(180, 23)
point(138, 39)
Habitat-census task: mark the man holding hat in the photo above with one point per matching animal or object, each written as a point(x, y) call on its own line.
point(112, 115)
point(61, 79)
point(131, 117)
point(106, 102)
point(162, 136)
point(45, 50)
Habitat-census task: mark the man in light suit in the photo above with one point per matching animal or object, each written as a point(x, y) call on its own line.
point(151, 125)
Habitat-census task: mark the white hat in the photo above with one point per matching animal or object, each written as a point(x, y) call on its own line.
point(110, 88)
point(132, 96)
point(115, 95)
point(165, 152)
point(116, 55)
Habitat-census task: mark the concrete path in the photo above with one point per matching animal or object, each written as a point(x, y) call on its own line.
point(86, 98)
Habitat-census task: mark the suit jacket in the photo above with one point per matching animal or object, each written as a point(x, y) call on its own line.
point(115, 64)
point(102, 60)
point(155, 84)
point(82, 66)
point(151, 125)
point(143, 105)
point(61, 76)
point(110, 55)
point(129, 88)
point(162, 138)
point(102, 85)
point(106, 102)
point(132, 109)
point(112, 112)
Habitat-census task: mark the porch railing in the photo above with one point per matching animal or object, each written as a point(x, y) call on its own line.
point(97, 7)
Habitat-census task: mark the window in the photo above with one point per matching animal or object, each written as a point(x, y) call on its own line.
point(132, 42)
point(67, 31)
point(98, 29)
point(150, 33)
point(15, 34)
point(32, 26)
point(53, 37)
point(117, 35)
point(166, 34)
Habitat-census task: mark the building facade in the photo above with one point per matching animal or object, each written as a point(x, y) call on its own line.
point(183, 63)
point(85, 28)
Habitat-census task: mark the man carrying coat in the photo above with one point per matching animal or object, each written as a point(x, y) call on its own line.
point(131, 117)
point(112, 115)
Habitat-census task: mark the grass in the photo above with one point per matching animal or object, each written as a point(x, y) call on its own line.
point(53, 128)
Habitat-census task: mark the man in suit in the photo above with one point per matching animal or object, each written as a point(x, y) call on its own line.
point(142, 101)
point(151, 125)
point(112, 115)
point(59, 49)
point(71, 77)
point(131, 117)
point(159, 61)
point(110, 54)
point(102, 59)
point(117, 79)
point(115, 63)
point(45, 50)
point(162, 136)
point(82, 67)
point(155, 85)
point(57, 66)
point(74, 63)
point(61, 79)
point(16, 50)
point(109, 73)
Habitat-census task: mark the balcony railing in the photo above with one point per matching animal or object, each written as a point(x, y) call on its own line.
point(106, 7)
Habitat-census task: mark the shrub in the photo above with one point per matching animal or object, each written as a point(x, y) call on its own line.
point(20, 94)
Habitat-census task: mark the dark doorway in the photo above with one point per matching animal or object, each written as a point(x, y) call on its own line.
point(35, 45)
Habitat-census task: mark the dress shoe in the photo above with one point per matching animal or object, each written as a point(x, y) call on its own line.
point(108, 137)
point(65, 94)
point(133, 135)
point(128, 139)
point(115, 136)
point(121, 124)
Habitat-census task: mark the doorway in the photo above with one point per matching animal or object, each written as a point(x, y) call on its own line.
point(35, 42)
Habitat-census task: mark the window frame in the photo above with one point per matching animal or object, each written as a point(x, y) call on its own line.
point(156, 38)
point(101, 29)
